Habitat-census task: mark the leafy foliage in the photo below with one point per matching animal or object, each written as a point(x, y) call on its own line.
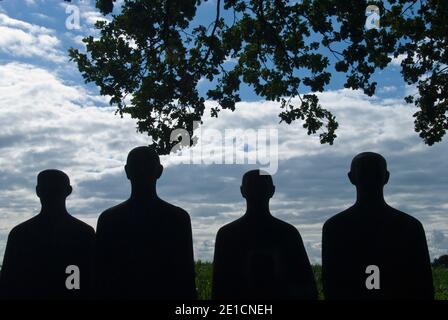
point(441, 261)
point(152, 53)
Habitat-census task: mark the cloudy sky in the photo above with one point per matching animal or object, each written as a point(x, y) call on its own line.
point(50, 119)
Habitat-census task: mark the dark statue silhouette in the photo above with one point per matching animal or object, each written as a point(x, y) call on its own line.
point(373, 233)
point(259, 256)
point(39, 250)
point(144, 245)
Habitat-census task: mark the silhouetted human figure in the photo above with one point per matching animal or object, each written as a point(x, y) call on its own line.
point(371, 233)
point(144, 245)
point(259, 256)
point(40, 249)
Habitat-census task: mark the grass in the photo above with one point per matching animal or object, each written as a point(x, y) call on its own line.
point(440, 276)
point(204, 281)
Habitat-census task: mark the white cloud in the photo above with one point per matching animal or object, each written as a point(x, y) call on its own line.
point(78, 40)
point(23, 39)
point(439, 242)
point(379, 120)
point(88, 15)
point(387, 89)
point(42, 16)
point(396, 61)
point(30, 2)
point(92, 16)
point(47, 123)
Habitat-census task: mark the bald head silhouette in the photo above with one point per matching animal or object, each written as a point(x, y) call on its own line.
point(369, 171)
point(52, 186)
point(40, 249)
point(257, 186)
point(259, 256)
point(372, 233)
point(143, 165)
point(144, 245)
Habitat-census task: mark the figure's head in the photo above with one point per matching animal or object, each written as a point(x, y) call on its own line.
point(369, 171)
point(53, 186)
point(257, 186)
point(143, 166)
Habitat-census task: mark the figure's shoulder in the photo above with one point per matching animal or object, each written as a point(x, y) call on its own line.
point(284, 226)
point(405, 219)
point(114, 213)
point(230, 228)
point(174, 212)
point(351, 216)
point(24, 227)
point(81, 226)
point(339, 218)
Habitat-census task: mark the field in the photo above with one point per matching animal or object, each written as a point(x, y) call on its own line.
point(204, 276)
point(204, 280)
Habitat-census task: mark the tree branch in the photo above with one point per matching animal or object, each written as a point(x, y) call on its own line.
point(207, 54)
